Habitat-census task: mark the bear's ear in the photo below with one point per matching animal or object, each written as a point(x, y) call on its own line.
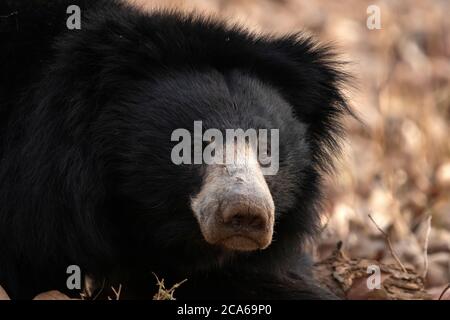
point(312, 79)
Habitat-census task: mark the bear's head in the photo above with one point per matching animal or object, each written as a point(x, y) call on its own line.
point(125, 123)
point(196, 87)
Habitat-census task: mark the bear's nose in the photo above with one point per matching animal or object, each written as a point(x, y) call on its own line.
point(234, 207)
point(242, 217)
point(241, 220)
point(242, 224)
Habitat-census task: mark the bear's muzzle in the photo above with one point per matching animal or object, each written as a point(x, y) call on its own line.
point(234, 207)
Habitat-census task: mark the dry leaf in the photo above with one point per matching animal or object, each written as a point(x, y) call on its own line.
point(52, 295)
point(3, 294)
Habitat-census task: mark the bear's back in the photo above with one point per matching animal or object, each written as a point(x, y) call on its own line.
point(28, 29)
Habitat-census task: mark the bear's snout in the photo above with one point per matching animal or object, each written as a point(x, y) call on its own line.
point(234, 207)
point(244, 222)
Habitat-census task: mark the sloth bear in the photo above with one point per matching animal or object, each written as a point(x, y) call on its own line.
point(86, 175)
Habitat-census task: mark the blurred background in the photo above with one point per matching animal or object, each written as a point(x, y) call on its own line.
point(396, 167)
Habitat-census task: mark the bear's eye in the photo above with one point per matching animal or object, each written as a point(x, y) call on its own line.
point(207, 143)
point(265, 161)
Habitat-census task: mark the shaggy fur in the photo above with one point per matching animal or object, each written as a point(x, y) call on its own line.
point(85, 172)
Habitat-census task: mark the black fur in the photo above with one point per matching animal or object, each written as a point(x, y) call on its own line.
point(85, 171)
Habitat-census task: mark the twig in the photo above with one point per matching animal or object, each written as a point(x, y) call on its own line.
point(425, 248)
point(444, 291)
point(88, 288)
point(101, 290)
point(116, 292)
point(163, 293)
point(388, 240)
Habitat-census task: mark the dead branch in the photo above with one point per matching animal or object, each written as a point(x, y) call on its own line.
point(425, 248)
point(388, 240)
point(444, 291)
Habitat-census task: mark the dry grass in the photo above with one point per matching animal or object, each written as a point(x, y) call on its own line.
point(166, 293)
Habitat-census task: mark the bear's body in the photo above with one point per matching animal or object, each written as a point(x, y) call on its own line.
point(86, 121)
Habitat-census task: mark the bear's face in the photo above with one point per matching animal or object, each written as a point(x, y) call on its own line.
point(188, 202)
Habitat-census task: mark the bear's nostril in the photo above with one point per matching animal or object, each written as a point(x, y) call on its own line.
point(241, 220)
point(236, 221)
